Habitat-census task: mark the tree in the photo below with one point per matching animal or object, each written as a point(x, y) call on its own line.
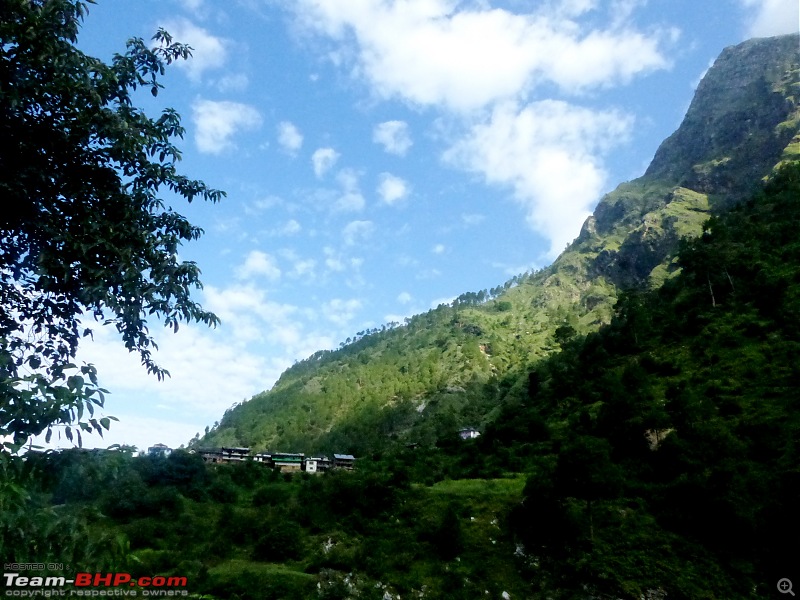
point(85, 234)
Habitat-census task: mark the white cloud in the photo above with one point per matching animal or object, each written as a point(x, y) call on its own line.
point(772, 17)
point(304, 268)
point(217, 122)
point(516, 269)
point(548, 153)
point(258, 264)
point(291, 227)
point(301, 267)
point(265, 203)
point(208, 51)
point(391, 188)
point(439, 301)
point(341, 312)
point(465, 55)
point(393, 136)
point(350, 199)
point(404, 298)
point(235, 82)
point(470, 220)
point(289, 137)
point(333, 261)
point(323, 159)
point(350, 202)
point(249, 316)
point(428, 274)
point(206, 371)
point(210, 368)
point(192, 5)
point(142, 432)
point(356, 231)
point(438, 249)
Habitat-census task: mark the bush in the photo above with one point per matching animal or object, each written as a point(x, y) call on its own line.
point(271, 495)
point(281, 541)
point(223, 490)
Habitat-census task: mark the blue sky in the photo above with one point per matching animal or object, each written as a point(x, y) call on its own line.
point(384, 156)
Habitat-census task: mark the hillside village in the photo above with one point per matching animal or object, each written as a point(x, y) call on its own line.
point(285, 462)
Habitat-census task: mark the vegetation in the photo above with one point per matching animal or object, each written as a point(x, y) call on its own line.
point(243, 531)
point(669, 458)
point(89, 235)
point(654, 458)
point(84, 234)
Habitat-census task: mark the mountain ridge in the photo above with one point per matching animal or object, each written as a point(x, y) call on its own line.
point(454, 365)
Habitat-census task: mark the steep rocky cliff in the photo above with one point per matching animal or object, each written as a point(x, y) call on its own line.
point(743, 116)
point(743, 120)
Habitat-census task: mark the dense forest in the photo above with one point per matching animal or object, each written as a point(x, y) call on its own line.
point(657, 457)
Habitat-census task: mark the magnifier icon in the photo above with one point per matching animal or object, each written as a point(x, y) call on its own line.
point(785, 586)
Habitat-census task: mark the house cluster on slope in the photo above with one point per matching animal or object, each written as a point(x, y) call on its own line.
point(286, 462)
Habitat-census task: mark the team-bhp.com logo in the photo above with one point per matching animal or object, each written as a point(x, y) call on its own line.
point(93, 585)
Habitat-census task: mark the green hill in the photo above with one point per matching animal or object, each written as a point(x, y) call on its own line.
point(655, 458)
point(453, 366)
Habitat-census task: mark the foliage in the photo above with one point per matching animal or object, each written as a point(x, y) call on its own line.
point(673, 430)
point(32, 530)
point(89, 236)
point(369, 531)
point(659, 458)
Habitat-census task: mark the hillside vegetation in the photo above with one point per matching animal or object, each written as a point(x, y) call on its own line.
point(655, 458)
point(455, 366)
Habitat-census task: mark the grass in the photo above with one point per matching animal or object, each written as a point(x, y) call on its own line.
point(236, 566)
point(477, 488)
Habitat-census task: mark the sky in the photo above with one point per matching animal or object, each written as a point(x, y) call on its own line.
point(381, 157)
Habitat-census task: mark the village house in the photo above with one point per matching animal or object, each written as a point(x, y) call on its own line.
point(159, 450)
point(468, 433)
point(217, 455)
point(265, 459)
point(317, 464)
point(212, 455)
point(343, 461)
point(288, 462)
point(235, 454)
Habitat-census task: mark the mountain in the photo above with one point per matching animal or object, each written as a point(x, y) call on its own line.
point(456, 365)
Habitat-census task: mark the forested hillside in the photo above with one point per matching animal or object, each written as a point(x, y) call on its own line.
point(656, 458)
point(457, 364)
point(664, 447)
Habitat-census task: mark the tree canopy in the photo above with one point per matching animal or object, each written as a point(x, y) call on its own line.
point(86, 234)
